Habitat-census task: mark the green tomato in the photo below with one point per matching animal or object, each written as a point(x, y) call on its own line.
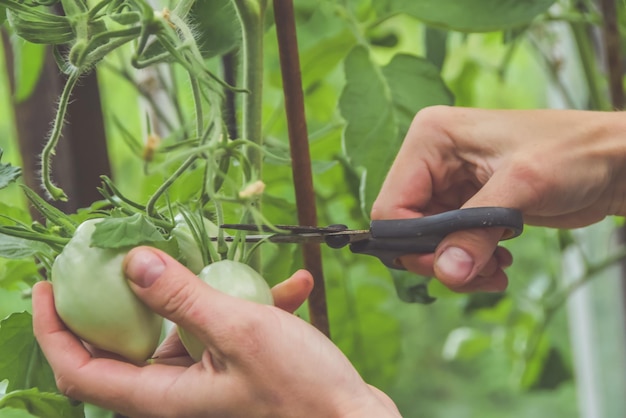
point(235, 279)
point(94, 300)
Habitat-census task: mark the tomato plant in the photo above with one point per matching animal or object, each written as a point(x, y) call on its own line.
point(193, 98)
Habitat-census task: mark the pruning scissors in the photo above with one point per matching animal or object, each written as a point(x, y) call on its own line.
point(390, 239)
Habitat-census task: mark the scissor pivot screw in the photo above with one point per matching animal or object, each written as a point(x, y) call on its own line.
point(337, 241)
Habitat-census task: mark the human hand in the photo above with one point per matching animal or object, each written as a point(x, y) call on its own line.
point(561, 168)
point(260, 360)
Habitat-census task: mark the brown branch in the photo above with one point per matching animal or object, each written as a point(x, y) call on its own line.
point(300, 155)
point(612, 49)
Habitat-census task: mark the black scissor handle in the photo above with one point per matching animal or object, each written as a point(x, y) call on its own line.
point(393, 238)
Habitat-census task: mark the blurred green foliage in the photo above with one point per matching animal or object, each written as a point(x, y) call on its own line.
point(461, 356)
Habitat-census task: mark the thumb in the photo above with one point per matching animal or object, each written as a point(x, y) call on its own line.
point(464, 256)
point(174, 292)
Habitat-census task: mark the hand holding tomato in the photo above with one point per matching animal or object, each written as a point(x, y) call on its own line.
point(259, 360)
point(561, 168)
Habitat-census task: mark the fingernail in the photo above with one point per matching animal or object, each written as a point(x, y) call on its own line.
point(455, 264)
point(143, 267)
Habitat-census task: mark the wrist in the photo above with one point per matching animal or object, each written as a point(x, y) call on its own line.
point(616, 156)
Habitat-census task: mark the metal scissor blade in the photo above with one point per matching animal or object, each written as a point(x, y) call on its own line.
point(333, 239)
point(278, 238)
point(287, 229)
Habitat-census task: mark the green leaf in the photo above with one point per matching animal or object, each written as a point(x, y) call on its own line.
point(466, 343)
point(130, 231)
point(42, 404)
point(411, 288)
point(217, 25)
point(554, 372)
point(415, 83)
point(28, 63)
point(17, 248)
point(13, 214)
point(9, 412)
point(471, 15)
point(371, 133)
point(368, 330)
point(477, 301)
point(378, 105)
point(8, 173)
point(324, 56)
point(436, 42)
point(14, 272)
point(3, 15)
point(21, 359)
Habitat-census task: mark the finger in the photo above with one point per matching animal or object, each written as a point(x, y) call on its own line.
point(172, 351)
point(384, 398)
point(77, 374)
point(292, 293)
point(461, 256)
point(490, 279)
point(177, 294)
point(496, 282)
point(58, 343)
point(421, 264)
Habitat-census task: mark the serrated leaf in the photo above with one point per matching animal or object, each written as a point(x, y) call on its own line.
point(371, 133)
point(42, 404)
point(415, 83)
point(125, 232)
point(470, 15)
point(21, 361)
point(18, 248)
point(378, 105)
point(8, 173)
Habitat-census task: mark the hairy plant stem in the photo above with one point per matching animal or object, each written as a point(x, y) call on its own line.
point(251, 15)
point(197, 100)
point(151, 205)
point(55, 192)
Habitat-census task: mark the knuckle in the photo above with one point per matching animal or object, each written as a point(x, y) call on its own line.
point(66, 386)
point(433, 115)
point(180, 301)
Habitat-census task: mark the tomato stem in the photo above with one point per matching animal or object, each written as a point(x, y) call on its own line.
point(53, 191)
point(251, 15)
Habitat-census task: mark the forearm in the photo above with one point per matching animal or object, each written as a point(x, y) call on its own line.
point(608, 145)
